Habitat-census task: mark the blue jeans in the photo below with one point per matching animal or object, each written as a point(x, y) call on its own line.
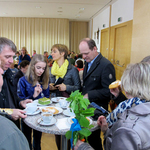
point(36, 136)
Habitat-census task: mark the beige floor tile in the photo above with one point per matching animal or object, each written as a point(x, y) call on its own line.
point(48, 142)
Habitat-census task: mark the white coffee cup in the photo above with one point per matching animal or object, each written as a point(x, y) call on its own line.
point(31, 104)
point(62, 98)
point(63, 103)
point(31, 107)
point(47, 117)
point(70, 112)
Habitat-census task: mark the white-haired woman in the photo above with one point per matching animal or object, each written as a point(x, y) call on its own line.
point(128, 126)
point(117, 96)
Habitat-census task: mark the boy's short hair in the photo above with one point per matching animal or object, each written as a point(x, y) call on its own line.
point(24, 63)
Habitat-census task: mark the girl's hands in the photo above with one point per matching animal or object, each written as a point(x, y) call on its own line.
point(37, 90)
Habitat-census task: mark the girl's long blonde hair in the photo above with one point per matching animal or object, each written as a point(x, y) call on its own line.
point(32, 78)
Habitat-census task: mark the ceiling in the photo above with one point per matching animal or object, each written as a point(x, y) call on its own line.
point(71, 9)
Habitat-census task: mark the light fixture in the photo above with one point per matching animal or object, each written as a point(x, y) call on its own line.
point(81, 9)
point(37, 7)
point(41, 14)
point(78, 15)
point(59, 11)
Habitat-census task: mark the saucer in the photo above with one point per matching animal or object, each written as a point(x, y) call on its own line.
point(34, 113)
point(41, 122)
point(67, 113)
point(56, 99)
point(58, 105)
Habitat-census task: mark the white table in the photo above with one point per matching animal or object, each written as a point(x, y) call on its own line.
point(31, 121)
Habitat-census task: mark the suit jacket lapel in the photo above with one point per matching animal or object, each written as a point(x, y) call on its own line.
point(92, 68)
point(85, 70)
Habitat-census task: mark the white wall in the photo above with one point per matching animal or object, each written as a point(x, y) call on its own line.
point(124, 9)
point(120, 8)
point(98, 21)
point(90, 29)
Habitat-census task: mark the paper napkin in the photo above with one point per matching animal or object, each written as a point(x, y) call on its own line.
point(63, 123)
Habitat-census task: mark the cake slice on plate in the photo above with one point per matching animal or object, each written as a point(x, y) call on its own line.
point(44, 101)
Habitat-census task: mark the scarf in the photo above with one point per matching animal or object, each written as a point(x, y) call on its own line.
point(59, 71)
point(127, 104)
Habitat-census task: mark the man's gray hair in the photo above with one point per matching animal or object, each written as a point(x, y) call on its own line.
point(7, 42)
point(136, 80)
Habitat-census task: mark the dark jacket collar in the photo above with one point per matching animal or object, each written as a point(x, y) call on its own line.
point(8, 74)
point(92, 68)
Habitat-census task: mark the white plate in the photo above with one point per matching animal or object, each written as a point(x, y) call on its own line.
point(41, 122)
point(34, 113)
point(36, 101)
point(70, 120)
point(60, 110)
point(58, 105)
point(67, 113)
point(56, 99)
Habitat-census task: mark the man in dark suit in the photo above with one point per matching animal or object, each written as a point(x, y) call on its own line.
point(97, 75)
